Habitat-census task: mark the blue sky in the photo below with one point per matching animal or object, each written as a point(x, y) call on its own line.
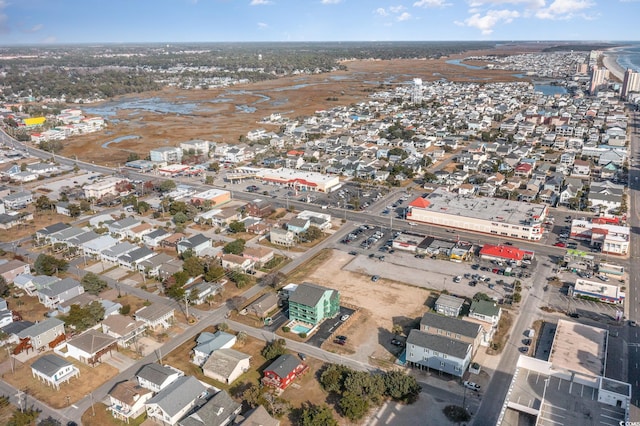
point(96, 21)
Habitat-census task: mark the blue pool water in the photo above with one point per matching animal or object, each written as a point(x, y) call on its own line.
point(300, 329)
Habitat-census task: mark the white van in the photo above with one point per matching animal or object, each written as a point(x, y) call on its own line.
point(530, 333)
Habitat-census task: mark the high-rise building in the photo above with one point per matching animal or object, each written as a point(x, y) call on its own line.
point(598, 78)
point(630, 83)
point(416, 92)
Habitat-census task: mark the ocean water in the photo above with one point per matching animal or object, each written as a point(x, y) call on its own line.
point(629, 57)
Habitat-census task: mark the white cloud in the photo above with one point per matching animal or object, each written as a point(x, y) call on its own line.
point(431, 3)
point(564, 9)
point(396, 9)
point(404, 16)
point(260, 2)
point(493, 17)
point(380, 11)
point(35, 28)
point(262, 26)
point(330, 1)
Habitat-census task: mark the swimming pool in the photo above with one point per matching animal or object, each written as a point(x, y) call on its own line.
point(298, 328)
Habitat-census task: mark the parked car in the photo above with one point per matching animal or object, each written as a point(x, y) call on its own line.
point(302, 356)
point(457, 279)
point(603, 277)
point(524, 349)
point(341, 337)
point(396, 342)
point(340, 342)
point(574, 315)
point(471, 385)
point(633, 323)
point(344, 317)
point(375, 278)
point(353, 253)
point(560, 244)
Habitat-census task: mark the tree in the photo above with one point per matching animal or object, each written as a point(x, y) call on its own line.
point(4, 286)
point(332, 378)
point(274, 349)
point(48, 265)
point(23, 417)
point(181, 278)
point(252, 395)
point(237, 302)
point(133, 156)
point(49, 421)
point(43, 203)
point(175, 292)
point(400, 386)
point(239, 278)
point(272, 279)
point(312, 233)
point(82, 318)
point(456, 413)
point(143, 207)
point(316, 415)
point(236, 227)
point(166, 185)
point(353, 407)
point(193, 267)
point(180, 218)
point(74, 210)
point(208, 180)
point(214, 272)
point(234, 247)
point(93, 284)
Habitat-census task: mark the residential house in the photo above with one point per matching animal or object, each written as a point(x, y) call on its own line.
point(311, 303)
point(156, 377)
point(31, 283)
point(9, 270)
point(100, 188)
point(265, 304)
point(259, 208)
point(197, 243)
point(226, 365)
point(487, 312)
point(207, 343)
point(283, 371)
point(220, 410)
point(59, 292)
point(166, 154)
point(123, 328)
point(449, 305)
point(258, 255)
point(131, 259)
point(153, 238)
point(156, 315)
point(173, 402)
point(139, 231)
point(236, 262)
point(298, 225)
point(42, 333)
point(18, 200)
point(438, 352)
point(282, 237)
point(151, 266)
point(96, 246)
point(53, 370)
point(112, 254)
point(6, 316)
point(120, 228)
point(90, 346)
point(127, 400)
point(581, 168)
point(452, 328)
point(258, 416)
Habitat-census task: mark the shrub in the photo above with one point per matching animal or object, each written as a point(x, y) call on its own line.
point(303, 335)
point(286, 329)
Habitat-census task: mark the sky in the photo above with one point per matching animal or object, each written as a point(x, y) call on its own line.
point(144, 21)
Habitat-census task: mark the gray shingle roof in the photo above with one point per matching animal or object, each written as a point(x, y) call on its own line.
point(39, 328)
point(438, 343)
point(224, 361)
point(283, 365)
point(92, 341)
point(49, 364)
point(454, 325)
point(214, 412)
point(155, 373)
point(60, 287)
point(308, 294)
point(180, 393)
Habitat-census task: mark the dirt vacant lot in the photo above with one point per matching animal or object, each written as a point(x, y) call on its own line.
point(381, 305)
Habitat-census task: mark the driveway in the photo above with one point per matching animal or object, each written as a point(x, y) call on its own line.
point(328, 327)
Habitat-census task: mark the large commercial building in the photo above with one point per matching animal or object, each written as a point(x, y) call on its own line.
point(613, 239)
point(496, 216)
point(569, 387)
point(291, 178)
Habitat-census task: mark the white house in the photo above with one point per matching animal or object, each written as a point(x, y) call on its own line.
point(207, 343)
point(437, 352)
point(156, 315)
point(173, 402)
point(53, 370)
point(156, 377)
point(226, 365)
point(90, 346)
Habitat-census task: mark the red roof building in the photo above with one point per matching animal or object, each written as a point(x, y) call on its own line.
point(281, 372)
point(499, 252)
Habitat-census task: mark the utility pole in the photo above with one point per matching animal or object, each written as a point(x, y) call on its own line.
point(186, 306)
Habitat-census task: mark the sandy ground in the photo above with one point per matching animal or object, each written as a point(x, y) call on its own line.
point(292, 97)
point(381, 305)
